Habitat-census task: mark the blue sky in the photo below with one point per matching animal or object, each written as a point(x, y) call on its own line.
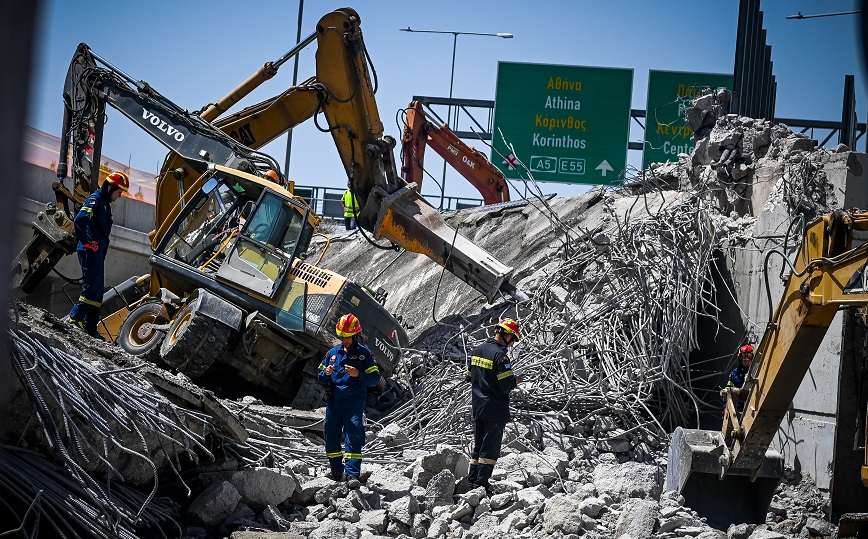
point(195, 51)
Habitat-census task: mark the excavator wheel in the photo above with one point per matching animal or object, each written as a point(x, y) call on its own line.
point(310, 395)
point(138, 337)
point(194, 341)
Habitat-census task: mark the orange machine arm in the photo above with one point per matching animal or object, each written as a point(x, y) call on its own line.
point(419, 132)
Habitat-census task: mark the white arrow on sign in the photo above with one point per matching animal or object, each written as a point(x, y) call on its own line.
point(604, 167)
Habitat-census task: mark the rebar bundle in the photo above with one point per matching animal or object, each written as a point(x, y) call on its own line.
point(98, 419)
point(608, 331)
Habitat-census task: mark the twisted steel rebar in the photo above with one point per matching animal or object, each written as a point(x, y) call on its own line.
point(97, 418)
point(608, 330)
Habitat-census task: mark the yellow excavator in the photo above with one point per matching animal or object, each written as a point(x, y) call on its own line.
point(730, 476)
point(230, 290)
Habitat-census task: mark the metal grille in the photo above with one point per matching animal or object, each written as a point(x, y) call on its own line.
point(315, 307)
point(311, 274)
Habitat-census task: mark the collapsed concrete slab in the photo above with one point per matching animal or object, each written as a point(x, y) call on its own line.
point(622, 282)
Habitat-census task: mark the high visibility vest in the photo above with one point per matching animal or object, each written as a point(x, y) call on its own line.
point(351, 204)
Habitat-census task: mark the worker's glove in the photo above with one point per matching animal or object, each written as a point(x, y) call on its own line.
point(91, 246)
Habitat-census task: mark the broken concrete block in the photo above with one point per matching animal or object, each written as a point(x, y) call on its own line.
point(472, 497)
point(440, 489)
point(344, 510)
point(403, 510)
point(214, 504)
point(637, 519)
point(393, 435)
point(591, 506)
point(818, 528)
point(438, 528)
point(385, 481)
point(740, 531)
point(796, 143)
point(482, 508)
point(501, 500)
point(761, 532)
point(304, 495)
point(446, 458)
point(561, 514)
point(463, 510)
point(628, 480)
point(264, 486)
point(485, 525)
point(335, 529)
point(274, 519)
point(533, 496)
point(376, 520)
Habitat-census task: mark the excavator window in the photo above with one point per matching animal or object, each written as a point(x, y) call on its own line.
point(208, 217)
point(277, 222)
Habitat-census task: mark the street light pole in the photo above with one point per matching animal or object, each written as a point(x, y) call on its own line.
point(294, 82)
point(455, 35)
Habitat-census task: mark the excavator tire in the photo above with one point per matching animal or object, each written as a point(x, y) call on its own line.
point(136, 335)
point(194, 341)
point(311, 394)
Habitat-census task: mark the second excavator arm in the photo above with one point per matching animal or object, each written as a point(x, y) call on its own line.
point(737, 462)
point(826, 275)
point(420, 132)
point(343, 93)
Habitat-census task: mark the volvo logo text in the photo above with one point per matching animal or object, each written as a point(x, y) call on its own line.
point(161, 124)
point(384, 348)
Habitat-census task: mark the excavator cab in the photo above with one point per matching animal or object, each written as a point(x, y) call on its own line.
point(243, 232)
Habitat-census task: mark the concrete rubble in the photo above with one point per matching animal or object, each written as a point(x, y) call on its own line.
point(618, 279)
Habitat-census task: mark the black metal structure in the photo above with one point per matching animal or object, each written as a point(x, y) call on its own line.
point(848, 114)
point(754, 84)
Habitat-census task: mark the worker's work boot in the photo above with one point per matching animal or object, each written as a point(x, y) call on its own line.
point(353, 483)
point(483, 476)
point(471, 477)
point(336, 476)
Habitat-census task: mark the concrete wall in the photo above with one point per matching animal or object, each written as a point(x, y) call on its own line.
point(128, 254)
point(808, 433)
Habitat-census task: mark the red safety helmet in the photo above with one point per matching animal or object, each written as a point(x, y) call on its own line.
point(348, 326)
point(508, 325)
point(746, 351)
point(119, 179)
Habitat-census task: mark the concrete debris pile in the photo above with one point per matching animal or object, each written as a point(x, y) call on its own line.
point(618, 278)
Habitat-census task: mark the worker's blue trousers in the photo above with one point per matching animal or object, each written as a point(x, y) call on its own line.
point(344, 422)
point(85, 312)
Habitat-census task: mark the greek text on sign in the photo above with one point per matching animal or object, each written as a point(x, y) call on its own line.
point(568, 124)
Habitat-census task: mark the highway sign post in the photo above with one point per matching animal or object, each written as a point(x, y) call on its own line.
point(567, 124)
point(669, 94)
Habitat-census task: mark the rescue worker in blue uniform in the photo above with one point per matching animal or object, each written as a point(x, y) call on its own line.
point(347, 371)
point(93, 224)
point(492, 379)
point(738, 376)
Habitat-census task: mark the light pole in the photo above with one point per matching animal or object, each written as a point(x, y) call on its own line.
point(294, 82)
point(452, 79)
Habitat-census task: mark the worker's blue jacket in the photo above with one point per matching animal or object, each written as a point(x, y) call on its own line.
point(93, 222)
point(344, 387)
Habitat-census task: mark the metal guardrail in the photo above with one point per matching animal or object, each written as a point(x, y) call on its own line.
point(326, 201)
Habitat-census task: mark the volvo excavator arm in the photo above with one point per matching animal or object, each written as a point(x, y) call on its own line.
point(420, 132)
point(91, 85)
point(340, 99)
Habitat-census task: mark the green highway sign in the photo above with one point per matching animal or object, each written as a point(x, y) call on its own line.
point(567, 124)
point(669, 94)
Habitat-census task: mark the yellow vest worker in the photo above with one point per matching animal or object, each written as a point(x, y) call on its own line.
point(351, 209)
